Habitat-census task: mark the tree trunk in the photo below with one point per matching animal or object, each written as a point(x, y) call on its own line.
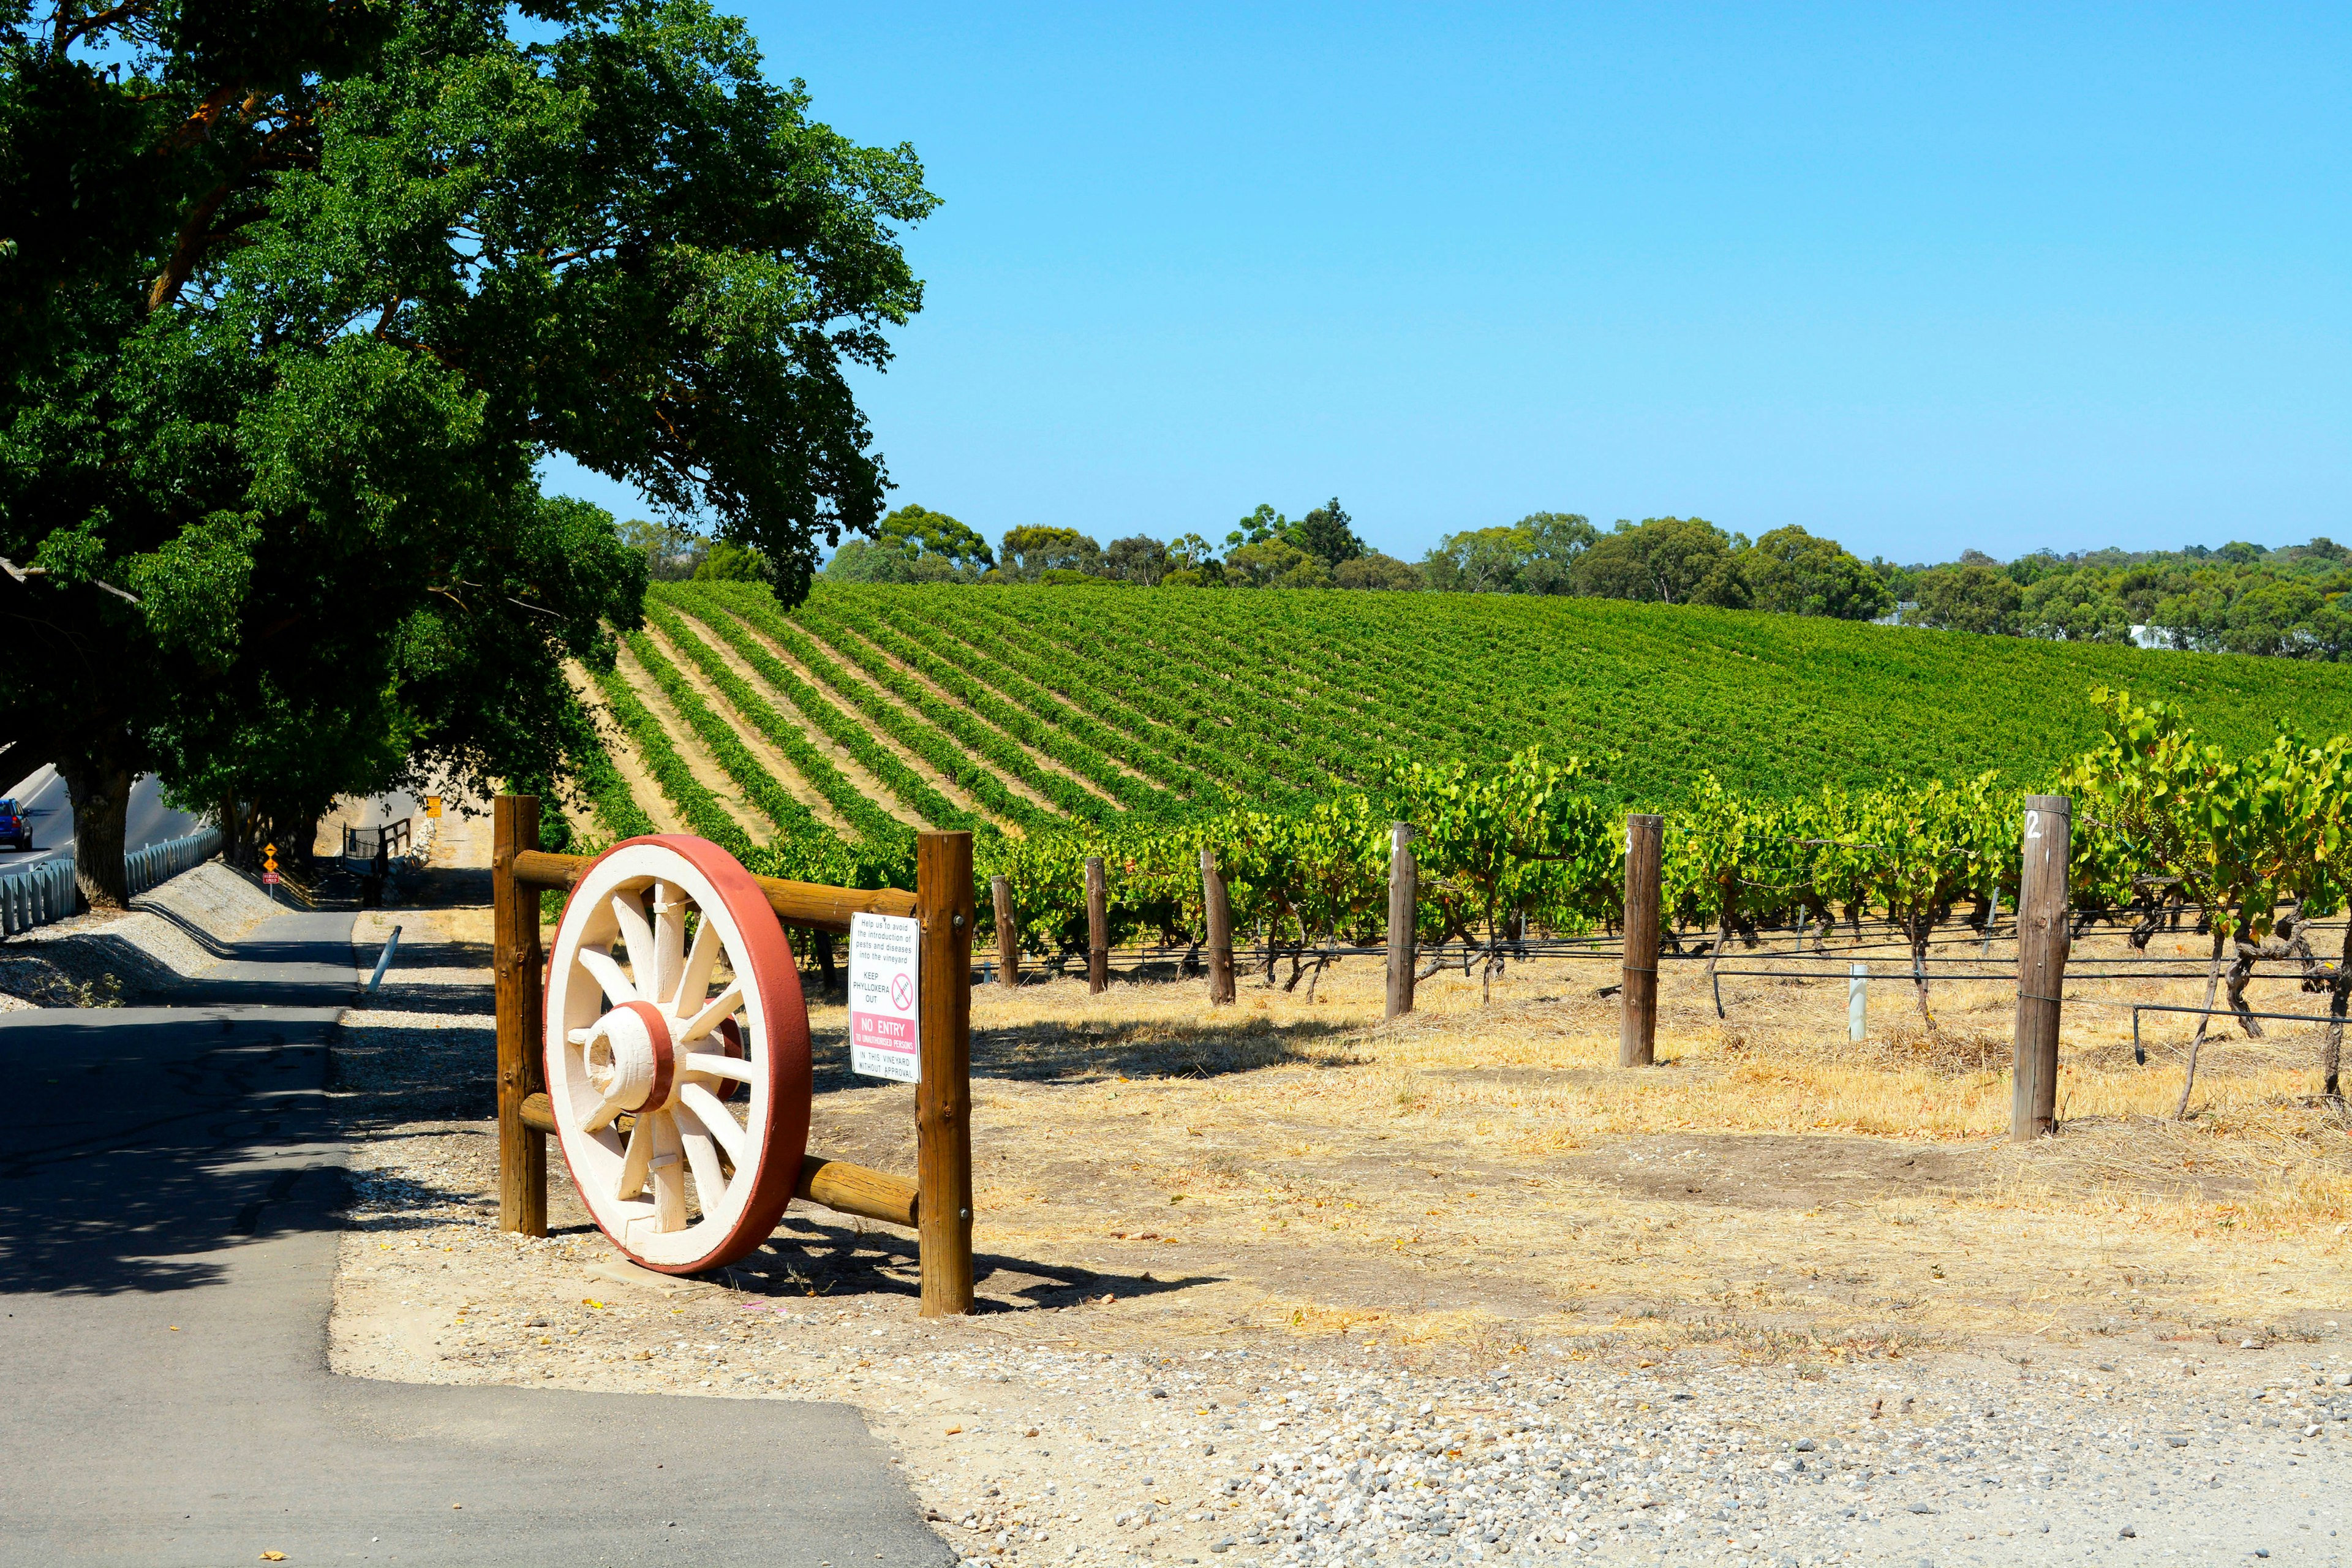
point(2241, 970)
point(306, 837)
point(824, 962)
point(2331, 1048)
point(1922, 927)
point(1722, 939)
point(2212, 982)
point(1323, 961)
point(102, 807)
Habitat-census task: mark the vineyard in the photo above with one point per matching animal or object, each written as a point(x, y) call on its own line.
point(1809, 771)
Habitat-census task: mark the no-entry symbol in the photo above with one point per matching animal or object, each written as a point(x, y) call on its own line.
point(884, 1035)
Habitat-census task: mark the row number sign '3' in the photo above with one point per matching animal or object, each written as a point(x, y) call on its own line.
point(883, 1033)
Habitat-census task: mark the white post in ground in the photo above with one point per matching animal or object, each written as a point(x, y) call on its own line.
point(1857, 1004)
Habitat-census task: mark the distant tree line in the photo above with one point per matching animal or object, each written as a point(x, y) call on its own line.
point(2239, 598)
point(1665, 560)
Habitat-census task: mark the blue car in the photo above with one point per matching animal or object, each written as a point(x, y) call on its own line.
point(16, 827)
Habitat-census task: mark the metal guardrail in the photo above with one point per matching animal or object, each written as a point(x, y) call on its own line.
point(37, 895)
point(144, 868)
point(44, 894)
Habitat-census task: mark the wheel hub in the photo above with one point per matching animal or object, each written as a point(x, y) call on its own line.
point(630, 1060)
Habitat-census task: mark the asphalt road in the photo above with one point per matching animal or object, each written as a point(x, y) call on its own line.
point(45, 799)
point(170, 1186)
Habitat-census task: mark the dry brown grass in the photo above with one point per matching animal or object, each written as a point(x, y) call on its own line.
point(1474, 1176)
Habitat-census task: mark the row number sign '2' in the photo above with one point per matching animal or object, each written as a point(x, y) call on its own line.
point(882, 1033)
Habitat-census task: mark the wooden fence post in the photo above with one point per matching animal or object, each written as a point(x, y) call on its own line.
point(1637, 1029)
point(515, 969)
point(1097, 928)
point(1220, 911)
point(2043, 940)
point(944, 1091)
point(1404, 904)
point(1008, 935)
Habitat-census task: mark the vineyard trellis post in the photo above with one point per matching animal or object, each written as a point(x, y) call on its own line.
point(1008, 934)
point(2043, 940)
point(516, 973)
point(1097, 928)
point(1218, 912)
point(1404, 902)
point(1637, 1036)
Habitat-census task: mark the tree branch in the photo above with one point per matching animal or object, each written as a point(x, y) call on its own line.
point(65, 36)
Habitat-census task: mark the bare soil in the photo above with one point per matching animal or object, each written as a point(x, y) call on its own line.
point(771, 759)
point(626, 762)
point(1287, 1190)
point(850, 768)
point(148, 953)
point(1038, 758)
point(929, 775)
point(699, 761)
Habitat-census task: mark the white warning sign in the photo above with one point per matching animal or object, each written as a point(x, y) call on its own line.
point(883, 1036)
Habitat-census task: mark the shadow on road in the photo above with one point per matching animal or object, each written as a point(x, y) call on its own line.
point(146, 1141)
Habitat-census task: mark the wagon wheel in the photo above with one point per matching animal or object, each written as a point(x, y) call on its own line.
point(648, 1023)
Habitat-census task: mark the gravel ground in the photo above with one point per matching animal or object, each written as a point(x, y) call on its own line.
point(1048, 1436)
point(1053, 1429)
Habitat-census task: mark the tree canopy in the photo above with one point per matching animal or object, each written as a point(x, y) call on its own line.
point(301, 290)
point(913, 544)
point(1324, 533)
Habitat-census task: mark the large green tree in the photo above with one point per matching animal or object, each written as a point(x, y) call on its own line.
point(1324, 533)
point(1964, 599)
point(1664, 560)
point(1797, 574)
point(299, 293)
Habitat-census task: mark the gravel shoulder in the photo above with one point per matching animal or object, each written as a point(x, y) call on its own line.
point(151, 953)
point(1297, 1291)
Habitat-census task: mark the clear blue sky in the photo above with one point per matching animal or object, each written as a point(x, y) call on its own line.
point(1919, 279)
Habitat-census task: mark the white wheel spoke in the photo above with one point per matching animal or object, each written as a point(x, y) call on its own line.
point(633, 1162)
point(667, 1170)
point(694, 987)
point(719, 1121)
point(702, 1023)
point(669, 939)
point(651, 973)
point(639, 936)
point(702, 1154)
point(608, 974)
point(715, 1066)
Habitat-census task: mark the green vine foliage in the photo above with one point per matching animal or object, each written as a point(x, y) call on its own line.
point(1074, 745)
